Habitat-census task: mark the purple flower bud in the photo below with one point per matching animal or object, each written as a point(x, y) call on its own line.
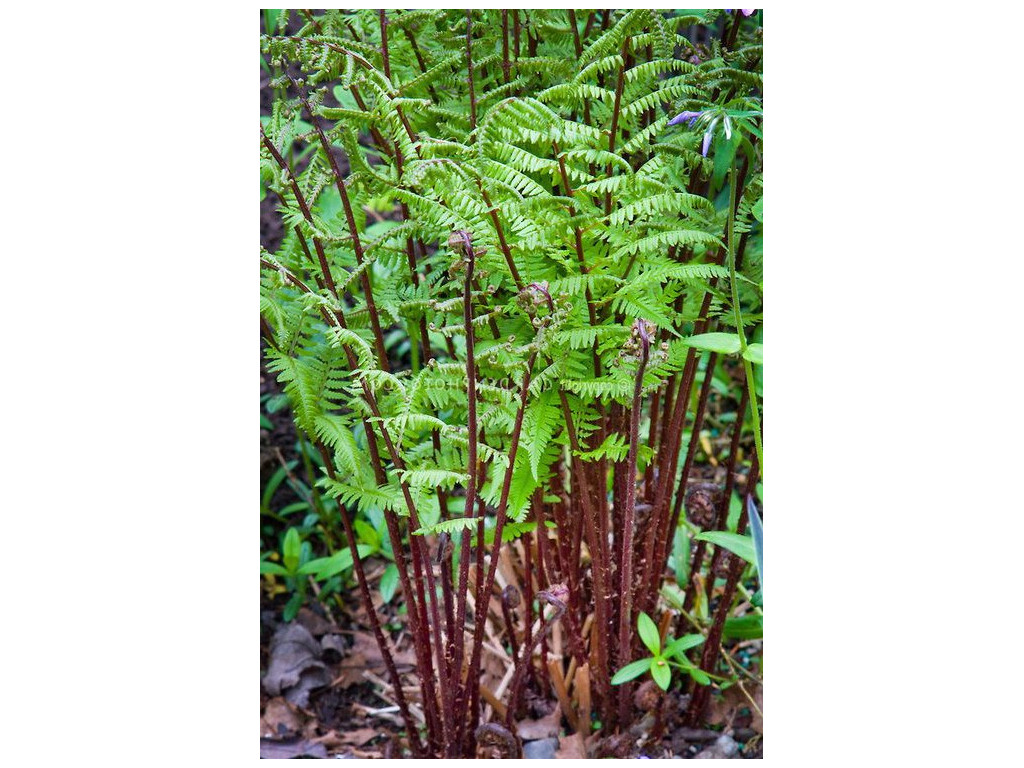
point(747, 11)
point(707, 144)
point(685, 117)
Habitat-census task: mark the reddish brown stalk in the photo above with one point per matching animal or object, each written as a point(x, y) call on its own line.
point(312, 20)
point(598, 550)
point(626, 575)
point(577, 236)
point(378, 137)
point(711, 647)
point(333, 47)
point(543, 678)
point(721, 519)
point(515, 33)
point(653, 573)
point(481, 513)
point(301, 201)
point(577, 44)
point(462, 242)
point(510, 598)
point(506, 66)
point(268, 334)
point(528, 589)
point(383, 14)
point(671, 443)
point(419, 60)
point(506, 252)
point(484, 590)
point(729, 37)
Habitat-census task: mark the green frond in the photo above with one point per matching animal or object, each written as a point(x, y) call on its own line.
point(434, 478)
point(660, 242)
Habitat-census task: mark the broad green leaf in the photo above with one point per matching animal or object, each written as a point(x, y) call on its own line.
point(758, 210)
point(325, 567)
point(265, 423)
point(292, 608)
point(268, 567)
point(699, 675)
point(632, 670)
point(724, 343)
point(649, 633)
point(272, 484)
point(755, 353)
point(389, 583)
point(742, 546)
point(291, 550)
point(679, 646)
point(750, 627)
point(367, 535)
point(661, 673)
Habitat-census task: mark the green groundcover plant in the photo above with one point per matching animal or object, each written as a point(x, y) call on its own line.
point(517, 304)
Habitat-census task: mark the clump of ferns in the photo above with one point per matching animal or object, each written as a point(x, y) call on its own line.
point(557, 238)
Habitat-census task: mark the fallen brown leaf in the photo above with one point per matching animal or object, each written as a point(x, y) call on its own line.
point(359, 737)
point(280, 719)
point(571, 748)
point(545, 728)
point(283, 750)
point(295, 668)
point(350, 671)
point(317, 625)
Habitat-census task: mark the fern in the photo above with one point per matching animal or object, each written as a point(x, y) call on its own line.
point(598, 237)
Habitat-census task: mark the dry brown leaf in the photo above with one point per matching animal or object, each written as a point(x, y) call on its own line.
point(280, 719)
point(331, 740)
point(571, 748)
point(295, 668)
point(545, 728)
point(316, 625)
point(721, 709)
point(334, 646)
point(351, 671)
point(283, 750)
point(359, 737)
